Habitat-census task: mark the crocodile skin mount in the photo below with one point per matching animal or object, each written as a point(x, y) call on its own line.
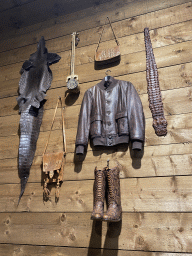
point(153, 89)
point(34, 82)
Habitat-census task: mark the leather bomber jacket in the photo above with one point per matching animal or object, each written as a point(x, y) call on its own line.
point(110, 116)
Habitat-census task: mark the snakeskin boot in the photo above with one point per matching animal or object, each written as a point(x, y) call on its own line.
point(99, 194)
point(114, 210)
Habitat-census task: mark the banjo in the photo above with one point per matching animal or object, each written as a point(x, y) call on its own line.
point(72, 80)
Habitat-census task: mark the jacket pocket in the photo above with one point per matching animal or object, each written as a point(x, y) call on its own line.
point(122, 123)
point(96, 125)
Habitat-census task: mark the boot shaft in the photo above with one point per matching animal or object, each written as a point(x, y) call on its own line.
point(99, 185)
point(114, 210)
point(99, 194)
point(113, 183)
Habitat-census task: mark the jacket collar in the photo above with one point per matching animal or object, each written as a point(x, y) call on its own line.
point(112, 83)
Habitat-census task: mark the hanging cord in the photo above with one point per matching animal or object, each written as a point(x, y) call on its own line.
point(63, 127)
point(117, 42)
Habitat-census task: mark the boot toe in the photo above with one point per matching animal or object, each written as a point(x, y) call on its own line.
point(111, 218)
point(96, 216)
point(113, 213)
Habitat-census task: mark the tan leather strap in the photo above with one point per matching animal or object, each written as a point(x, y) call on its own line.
point(63, 127)
point(117, 42)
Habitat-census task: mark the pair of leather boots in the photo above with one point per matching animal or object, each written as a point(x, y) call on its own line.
point(107, 180)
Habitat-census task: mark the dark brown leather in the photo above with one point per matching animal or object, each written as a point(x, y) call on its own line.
point(99, 194)
point(114, 210)
point(111, 115)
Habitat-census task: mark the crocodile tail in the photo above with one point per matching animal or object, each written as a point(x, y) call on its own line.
point(23, 185)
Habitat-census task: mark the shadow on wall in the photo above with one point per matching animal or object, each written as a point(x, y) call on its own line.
point(136, 156)
point(110, 247)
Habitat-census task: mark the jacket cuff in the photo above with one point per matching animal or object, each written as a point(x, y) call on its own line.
point(79, 149)
point(137, 145)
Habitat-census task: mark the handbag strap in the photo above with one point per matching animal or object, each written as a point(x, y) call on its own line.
point(117, 42)
point(63, 127)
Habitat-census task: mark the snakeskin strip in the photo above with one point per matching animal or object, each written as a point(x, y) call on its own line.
point(153, 89)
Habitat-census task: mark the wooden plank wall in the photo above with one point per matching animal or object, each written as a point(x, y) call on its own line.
point(156, 188)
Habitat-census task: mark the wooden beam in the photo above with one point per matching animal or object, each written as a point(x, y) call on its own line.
point(9, 249)
point(130, 63)
point(86, 19)
point(178, 128)
point(152, 194)
point(160, 36)
point(39, 11)
point(160, 160)
point(177, 101)
point(170, 78)
point(164, 232)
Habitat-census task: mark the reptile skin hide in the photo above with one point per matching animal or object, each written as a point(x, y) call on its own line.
point(34, 82)
point(153, 89)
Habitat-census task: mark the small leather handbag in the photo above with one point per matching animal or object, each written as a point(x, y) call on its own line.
point(53, 163)
point(108, 55)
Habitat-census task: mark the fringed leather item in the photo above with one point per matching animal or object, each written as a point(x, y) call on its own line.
point(53, 163)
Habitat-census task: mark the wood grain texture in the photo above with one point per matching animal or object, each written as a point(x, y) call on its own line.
point(155, 183)
point(130, 63)
point(161, 160)
point(168, 231)
point(162, 36)
point(38, 11)
point(23, 250)
point(170, 78)
point(177, 101)
point(155, 194)
point(179, 131)
point(95, 17)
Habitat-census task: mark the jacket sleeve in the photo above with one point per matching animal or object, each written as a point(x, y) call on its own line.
point(136, 118)
point(84, 123)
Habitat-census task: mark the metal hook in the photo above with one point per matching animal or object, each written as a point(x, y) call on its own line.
point(107, 71)
point(108, 163)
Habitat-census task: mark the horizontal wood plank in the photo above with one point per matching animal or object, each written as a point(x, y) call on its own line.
point(23, 250)
point(179, 32)
point(175, 102)
point(161, 160)
point(39, 11)
point(174, 77)
point(168, 231)
point(179, 131)
point(130, 63)
point(89, 18)
point(169, 77)
point(164, 194)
